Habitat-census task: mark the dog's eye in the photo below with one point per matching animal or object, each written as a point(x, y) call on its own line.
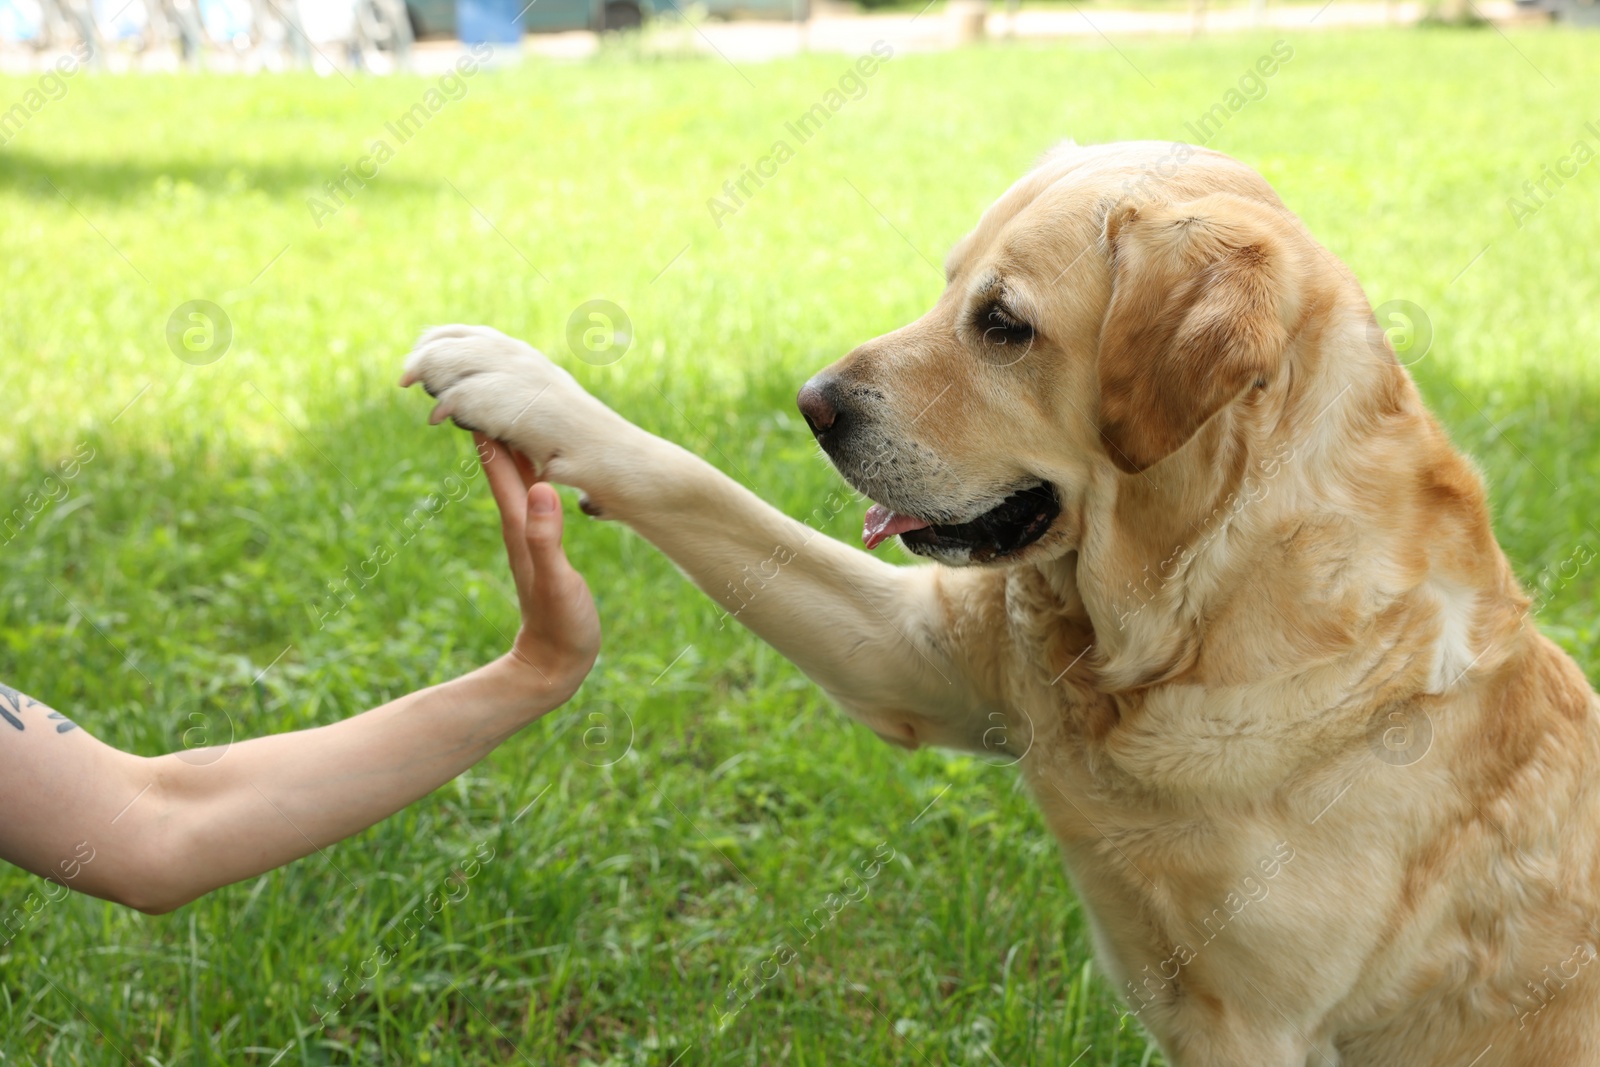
point(999, 326)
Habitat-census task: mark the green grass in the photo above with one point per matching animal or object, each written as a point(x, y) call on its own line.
point(660, 860)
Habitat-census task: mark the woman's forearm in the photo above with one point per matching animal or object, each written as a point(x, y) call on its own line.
point(156, 833)
point(214, 816)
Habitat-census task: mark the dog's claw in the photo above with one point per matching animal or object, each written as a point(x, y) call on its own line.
point(440, 413)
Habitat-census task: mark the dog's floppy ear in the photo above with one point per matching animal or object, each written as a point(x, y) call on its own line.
point(1201, 296)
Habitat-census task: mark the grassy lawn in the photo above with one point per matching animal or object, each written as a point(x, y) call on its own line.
point(684, 816)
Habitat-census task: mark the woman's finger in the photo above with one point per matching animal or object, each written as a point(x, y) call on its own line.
point(543, 533)
point(504, 481)
point(524, 466)
point(510, 496)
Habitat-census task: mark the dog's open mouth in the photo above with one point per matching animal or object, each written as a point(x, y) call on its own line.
point(1008, 527)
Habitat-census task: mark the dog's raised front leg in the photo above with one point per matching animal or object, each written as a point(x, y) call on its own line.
point(869, 633)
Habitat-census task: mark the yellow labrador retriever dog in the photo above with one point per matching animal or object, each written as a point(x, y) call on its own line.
point(1327, 795)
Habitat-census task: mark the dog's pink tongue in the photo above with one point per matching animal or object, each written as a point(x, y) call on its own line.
point(882, 524)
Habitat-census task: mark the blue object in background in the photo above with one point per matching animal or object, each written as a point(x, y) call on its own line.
point(225, 20)
point(121, 21)
point(20, 20)
point(489, 21)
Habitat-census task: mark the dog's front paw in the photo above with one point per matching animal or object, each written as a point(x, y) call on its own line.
point(501, 387)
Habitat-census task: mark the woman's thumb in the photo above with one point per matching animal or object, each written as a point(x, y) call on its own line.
point(543, 526)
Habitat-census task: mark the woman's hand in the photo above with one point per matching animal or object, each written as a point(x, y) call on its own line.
point(155, 833)
point(560, 633)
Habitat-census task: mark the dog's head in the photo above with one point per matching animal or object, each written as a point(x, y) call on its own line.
point(1109, 307)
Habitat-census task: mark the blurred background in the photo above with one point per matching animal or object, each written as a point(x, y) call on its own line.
point(222, 225)
point(387, 35)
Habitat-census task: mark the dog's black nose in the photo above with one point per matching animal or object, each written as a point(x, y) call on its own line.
point(819, 404)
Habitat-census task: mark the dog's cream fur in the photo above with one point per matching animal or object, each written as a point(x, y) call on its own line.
point(1327, 795)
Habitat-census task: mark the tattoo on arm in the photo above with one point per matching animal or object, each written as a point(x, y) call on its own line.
point(13, 704)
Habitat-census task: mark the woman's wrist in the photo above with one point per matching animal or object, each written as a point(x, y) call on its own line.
point(531, 689)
